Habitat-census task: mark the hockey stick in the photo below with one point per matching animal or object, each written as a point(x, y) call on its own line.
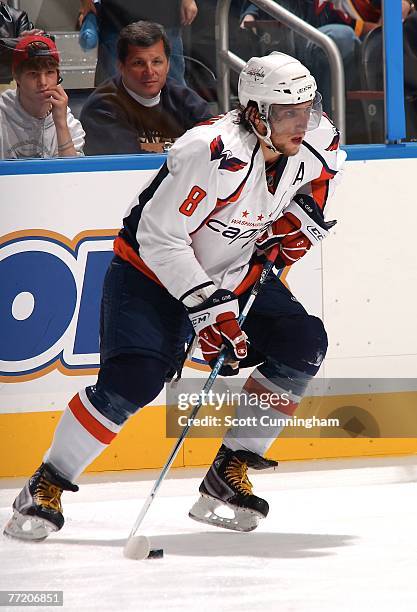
point(137, 547)
point(189, 351)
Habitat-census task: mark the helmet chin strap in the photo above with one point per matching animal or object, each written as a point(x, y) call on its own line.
point(267, 137)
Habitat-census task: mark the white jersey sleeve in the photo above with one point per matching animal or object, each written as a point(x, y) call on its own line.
point(323, 144)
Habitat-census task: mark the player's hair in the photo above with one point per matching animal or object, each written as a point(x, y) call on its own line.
point(36, 63)
point(141, 34)
point(243, 114)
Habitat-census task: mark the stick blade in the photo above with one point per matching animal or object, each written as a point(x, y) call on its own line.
point(137, 547)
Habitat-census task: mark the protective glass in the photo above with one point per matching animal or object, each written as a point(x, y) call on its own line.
point(293, 118)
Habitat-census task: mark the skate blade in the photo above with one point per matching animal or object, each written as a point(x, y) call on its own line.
point(28, 528)
point(204, 511)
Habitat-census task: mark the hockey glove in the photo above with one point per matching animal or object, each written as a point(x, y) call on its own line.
point(215, 323)
point(301, 225)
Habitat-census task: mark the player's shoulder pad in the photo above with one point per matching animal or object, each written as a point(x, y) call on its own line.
point(190, 149)
point(217, 139)
point(323, 142)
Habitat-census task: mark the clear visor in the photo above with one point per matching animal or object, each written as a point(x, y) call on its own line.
point(295, 118)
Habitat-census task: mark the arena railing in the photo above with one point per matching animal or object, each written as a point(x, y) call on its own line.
point(227, 60)
point(393, 57)
point(394, 109)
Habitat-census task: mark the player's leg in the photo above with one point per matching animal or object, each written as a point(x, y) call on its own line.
point(91, 421)
point(294, 348)
point(290, 344)
point(142, 333)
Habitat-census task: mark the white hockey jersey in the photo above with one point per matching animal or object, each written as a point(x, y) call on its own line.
point(196, 221)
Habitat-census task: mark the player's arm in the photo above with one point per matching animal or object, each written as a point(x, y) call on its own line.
point(180, 203)
point(303, 222)
point(172, 208)
point(322, 188)
point(301, 226)
point(329, 159)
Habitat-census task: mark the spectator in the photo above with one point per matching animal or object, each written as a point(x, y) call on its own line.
point(113, 15)
point(375, 53)
point(367, 10)
point(141, 110)
point(13, 24)
point(375, 67)
point(410, 69)
point(200, 47)
point(35, 120)
point(410, 48)
point(338, 25)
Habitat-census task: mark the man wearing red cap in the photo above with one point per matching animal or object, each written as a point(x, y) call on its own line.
point(35, 119)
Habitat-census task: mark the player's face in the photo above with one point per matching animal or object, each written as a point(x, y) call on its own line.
point(289, 125)
point(145, 69)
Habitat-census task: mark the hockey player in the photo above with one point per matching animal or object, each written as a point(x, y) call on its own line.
point(238, 185)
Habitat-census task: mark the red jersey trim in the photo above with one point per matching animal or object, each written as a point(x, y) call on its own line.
point(128, 253)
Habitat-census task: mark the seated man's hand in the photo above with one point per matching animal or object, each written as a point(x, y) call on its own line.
point(247, 22)
point(188, 12)
point(215, 323)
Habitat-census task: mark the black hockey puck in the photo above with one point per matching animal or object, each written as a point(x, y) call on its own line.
point(156, 553)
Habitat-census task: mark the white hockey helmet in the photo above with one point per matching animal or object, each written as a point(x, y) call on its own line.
point(275, 79)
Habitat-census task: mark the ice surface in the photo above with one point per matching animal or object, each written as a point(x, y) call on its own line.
point(341, 535)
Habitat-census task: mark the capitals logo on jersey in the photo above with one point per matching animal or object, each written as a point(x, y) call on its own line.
point(228, 162)
point(334, 145)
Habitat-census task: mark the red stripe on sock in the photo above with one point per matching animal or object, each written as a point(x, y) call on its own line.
point(94, 427)
point(252, 385)
point(287, 409)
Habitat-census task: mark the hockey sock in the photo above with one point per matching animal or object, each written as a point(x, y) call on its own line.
point(81, 435)
point(269, 399)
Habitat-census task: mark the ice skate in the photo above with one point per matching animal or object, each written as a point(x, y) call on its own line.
point(227, 484)
point(37, 510)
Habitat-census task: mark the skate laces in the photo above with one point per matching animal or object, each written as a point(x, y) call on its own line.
point(236, 474)
point(48, 495)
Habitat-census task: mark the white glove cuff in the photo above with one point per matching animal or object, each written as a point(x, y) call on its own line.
point(199, 296)
point(314, 230)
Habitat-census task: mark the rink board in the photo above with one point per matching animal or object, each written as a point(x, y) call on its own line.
point(56, 243)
